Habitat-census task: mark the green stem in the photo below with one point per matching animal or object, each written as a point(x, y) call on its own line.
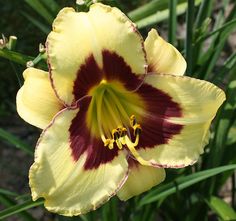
point(189, 36)
point(204, 12)
point(172, 21)
point(15, 56)
point(222, 28)
point(233, 190)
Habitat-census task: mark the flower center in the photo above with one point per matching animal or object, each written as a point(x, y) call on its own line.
point(113, 116)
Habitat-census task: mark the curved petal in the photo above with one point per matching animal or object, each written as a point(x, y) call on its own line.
point(179, 133)
point(81, 38)
point(72, 171)
point(140, 179)
point(36, 101)
point(162, 57)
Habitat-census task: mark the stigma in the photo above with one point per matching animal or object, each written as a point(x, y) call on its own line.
point(122, 139)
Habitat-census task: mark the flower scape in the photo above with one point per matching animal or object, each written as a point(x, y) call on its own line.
point(115, 111)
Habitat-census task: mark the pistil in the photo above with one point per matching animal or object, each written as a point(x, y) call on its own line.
point(120, 137)
point(109, 117)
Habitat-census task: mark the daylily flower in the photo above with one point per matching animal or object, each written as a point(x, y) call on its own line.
point(115, 111)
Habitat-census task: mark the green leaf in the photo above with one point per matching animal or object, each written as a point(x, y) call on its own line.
point(148, 9)
point(182, 183)
point(45, 29)
point(15, 141)
point(51, 5)
point(109, 210)
point(223, 125)
point(219, 45)
point(19, 208)
point(8, 192)
point(221, 208)
point(202, 56)
point(162, 15)
point(222, 28)
point(205, 58)
point(41, 10)
point(232, 135)
point(204, 12)
point(225, 70)
point(159, 16)
point(6, 201)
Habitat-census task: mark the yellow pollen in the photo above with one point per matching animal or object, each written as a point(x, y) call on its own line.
point(137, 129)
point(132, 120)
point(103, 81)
point(121, 138)
point(115, 134)
point(109, 143)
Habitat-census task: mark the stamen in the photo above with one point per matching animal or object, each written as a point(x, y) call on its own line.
point(109, 117)
point(99, 111)
point(133, 121)
point(119, 144)
point(123, 132)
point(118, 105)
point(131, 147)
point(115, 134)
point(111, 108)
point(137, 129)
point(121, 138)
point(109, 143)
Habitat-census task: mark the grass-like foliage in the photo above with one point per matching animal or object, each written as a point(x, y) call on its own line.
point(203, 31)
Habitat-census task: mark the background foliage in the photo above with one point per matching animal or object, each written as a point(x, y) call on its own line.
point(204, 31)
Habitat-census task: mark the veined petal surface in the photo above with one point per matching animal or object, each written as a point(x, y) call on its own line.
point(181, 138)
point(79, 38)
point(36, 101)
point(162, 57)
point(140, 179)
point(71, 178)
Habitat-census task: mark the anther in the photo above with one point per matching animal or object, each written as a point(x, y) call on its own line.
point(115, 134)
point(119, 130)
point(133, 121)
point(123, 132)
point(137, 130)
point(109, 143)
point(119, 144)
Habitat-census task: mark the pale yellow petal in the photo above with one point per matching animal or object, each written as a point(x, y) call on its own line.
point(162, 57)
point(68, 187)
point(141, 179)
point(199, 101)
point(76, 37)
point(36, 101)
